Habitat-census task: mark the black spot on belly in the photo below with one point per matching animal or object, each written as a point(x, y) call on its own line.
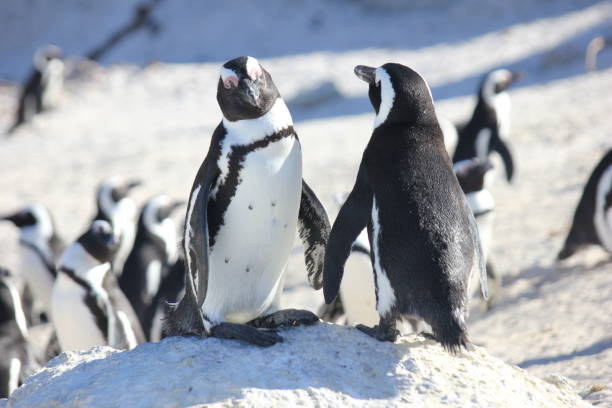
point(273, 204)
point(227, 260)
point(248, 269)
point(250, 206)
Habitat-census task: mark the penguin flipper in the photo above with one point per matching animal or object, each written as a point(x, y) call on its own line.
point(122, 307)
point(482, 265)
point(501, 147)
point(314, 231)
point(352, 219)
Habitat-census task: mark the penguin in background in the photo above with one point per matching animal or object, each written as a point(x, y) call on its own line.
point(489, 126)
point(171, 290)
point(154, 253)
point(116, 206)
point(247, 201)
point(471, 175)
point(43, 88)
point(17, 361)
point(592, 223)
point(422, 261)
point(89, 308)
point(40, 248)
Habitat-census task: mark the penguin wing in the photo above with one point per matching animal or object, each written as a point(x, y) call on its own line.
point(352, 219)
point(482, 268)
point(314, 231)
point(122, 307)
point(500, 147)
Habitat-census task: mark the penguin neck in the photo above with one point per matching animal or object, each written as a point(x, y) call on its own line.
point(38, 236)
point(83, 265)
point(246, 131)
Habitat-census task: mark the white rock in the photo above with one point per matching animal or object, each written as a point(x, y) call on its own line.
point(324, 365)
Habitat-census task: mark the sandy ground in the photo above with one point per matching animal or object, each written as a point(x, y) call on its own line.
point(155, 122)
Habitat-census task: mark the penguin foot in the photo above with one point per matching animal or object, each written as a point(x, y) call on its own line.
point(285, 318)
point(248, 334)
point(428, 336)
point(379, 333)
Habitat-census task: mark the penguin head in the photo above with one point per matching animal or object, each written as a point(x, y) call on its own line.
point(34, 221)
point(471, 173)
point(113, 196)
point(496, 82)
point(245, 89)
point(46, 55)
point(100, 241)
point(398, 95)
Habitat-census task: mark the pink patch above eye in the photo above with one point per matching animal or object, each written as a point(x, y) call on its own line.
point(230, 81)
point(255, 73)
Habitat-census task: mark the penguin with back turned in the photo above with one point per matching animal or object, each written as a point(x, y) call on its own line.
point(88, 307)
point(490, 122)
point(592, 224)
point(155, 251)
point(247, 201)
point(422, 260)
point(43, 87)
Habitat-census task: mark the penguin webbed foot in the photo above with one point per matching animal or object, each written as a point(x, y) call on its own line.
point(381, 332)
point(285, 318)
point(246, 333)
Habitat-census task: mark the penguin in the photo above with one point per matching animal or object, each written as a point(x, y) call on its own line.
point(592, 224)
point(171, 289)
point(89, 309)
point(246, 202)
point(43, 87)
point(18, 360)
point(422, 260)
point(490, 122)
point(40, 249)
point(116, 206)
point(471, 176)
point(155, 251)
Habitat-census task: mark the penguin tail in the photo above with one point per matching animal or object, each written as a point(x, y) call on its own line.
point(452, 334)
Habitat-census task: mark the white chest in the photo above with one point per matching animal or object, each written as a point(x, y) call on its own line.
point(503, 106)
point(252, 246)
point(38, 277)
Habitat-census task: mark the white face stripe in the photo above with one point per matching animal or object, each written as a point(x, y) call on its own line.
point(387, 96)
point(253, 68)
point(488, 88)
point(603, 228)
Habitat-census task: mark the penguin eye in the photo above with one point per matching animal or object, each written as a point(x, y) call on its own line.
point(230, 81)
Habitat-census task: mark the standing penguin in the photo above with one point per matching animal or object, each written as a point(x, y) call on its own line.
point(592, 223)
point(490, 122)
point(40, 248)
point(89, 309)
point(245, 204)
point(17, 361)
point(43, 88)
point(155, 251)
point(117, 207)
point(422, 260)
point(471, 175)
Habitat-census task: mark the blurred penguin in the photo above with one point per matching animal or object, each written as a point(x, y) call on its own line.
point(119, 209)
point(17, 361)
point(43, 88)
point(40, 248)
point(89, 309)
point(155, 251)
point(490, 123)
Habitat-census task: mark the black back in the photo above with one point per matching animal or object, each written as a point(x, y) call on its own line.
point(583, 230)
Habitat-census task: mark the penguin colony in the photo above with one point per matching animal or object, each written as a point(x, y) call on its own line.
point(414, 233)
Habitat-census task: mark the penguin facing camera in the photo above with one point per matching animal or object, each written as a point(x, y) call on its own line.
point(88, 307)
point(489, 126)
point(423, 260)
point(247, 200)
point(43, 88)
point(592, 223)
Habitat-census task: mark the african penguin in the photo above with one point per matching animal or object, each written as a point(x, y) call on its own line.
point(422, 260)
point(119, 209)
point(40, 248)
point(592, 224)
point(155, 251)
point(490, 122)
point(43, 87)
point(471, 175)
point(89, 309)
point(17, 361)
point(246, 202)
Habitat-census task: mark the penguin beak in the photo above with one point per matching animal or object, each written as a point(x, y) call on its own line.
point(249, 91)
point(133, 184)
point(366, 74)
point(517, 76)
point(12, 218)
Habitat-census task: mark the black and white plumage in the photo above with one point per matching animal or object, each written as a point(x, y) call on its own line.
point(116, 206)
point(489, 126)
point(592, 224)
point(42, 90)
point(155, 251)
point(40, 249)
point(423, 259)
point(89, 309)
point(245, 205)
point(17, 359)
